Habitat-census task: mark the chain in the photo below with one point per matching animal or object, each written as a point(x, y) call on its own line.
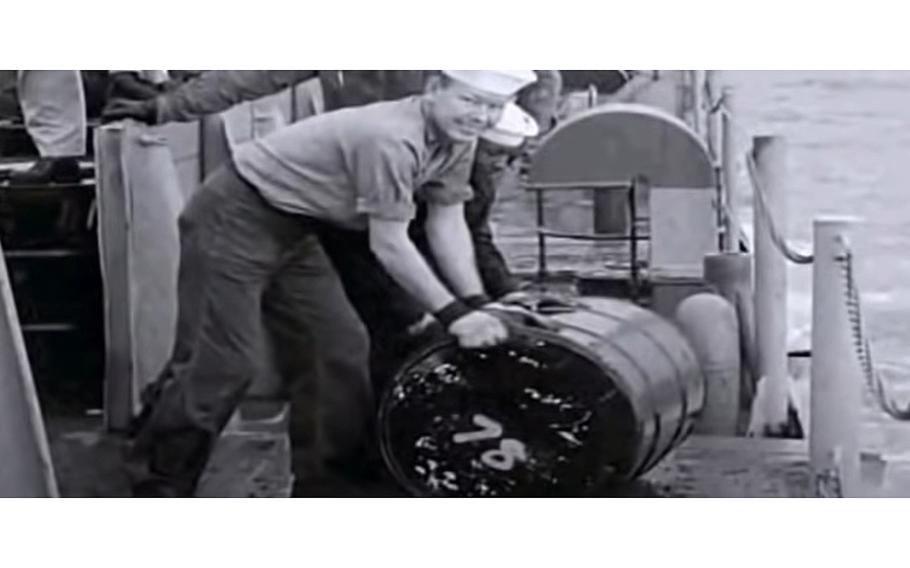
point(862, 346)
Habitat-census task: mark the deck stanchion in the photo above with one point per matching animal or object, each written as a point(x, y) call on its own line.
point(697, 101)
point(770, 154)
point(836, 387)
point(713, 118)
point(27, 469)
point(728, 169)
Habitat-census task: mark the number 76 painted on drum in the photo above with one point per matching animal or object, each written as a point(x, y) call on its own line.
point(510, 450)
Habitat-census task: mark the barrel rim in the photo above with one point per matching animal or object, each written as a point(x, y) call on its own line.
point(531, 332)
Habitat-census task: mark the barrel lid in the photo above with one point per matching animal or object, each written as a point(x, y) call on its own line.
point(529, 418)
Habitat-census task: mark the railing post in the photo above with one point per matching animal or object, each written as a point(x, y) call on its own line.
point(712, 119)
point(728, 169)
point(697, 100)
point(836, 385)
point(27, 469)
point(770, 154)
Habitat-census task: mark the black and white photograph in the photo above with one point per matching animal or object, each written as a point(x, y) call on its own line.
point(505, 312)
point(452, 283)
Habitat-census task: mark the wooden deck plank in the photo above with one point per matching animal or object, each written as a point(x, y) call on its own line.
point(248, 464)
point(252, 459)
point(711, 466)
point(253, 456)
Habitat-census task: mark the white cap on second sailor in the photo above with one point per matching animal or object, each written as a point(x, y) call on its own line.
point(513, 127)
point(504, 82)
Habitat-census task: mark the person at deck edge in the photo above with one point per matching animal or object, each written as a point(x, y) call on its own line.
point(248, 240)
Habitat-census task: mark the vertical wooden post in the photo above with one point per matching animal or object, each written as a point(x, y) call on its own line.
point(26, 469)
point(113, 247)
point(770, 154)
point(836, 386)
point(728, 169)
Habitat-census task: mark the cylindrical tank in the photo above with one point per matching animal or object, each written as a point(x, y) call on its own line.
point(600, 399)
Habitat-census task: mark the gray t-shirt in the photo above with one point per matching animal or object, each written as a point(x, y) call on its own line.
point(372, 161)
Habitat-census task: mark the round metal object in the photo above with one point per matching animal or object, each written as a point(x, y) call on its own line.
point(602, 398)
point(530, 418)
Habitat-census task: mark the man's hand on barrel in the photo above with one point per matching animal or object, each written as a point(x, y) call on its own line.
point(478, 329)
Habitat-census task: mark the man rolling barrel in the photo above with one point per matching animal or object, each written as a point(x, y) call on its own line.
point(390, 313)
point(248, 241)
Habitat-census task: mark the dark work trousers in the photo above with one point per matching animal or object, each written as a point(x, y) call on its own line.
point(247, 269)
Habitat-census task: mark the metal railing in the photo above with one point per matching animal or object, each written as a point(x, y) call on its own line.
point(633, 237)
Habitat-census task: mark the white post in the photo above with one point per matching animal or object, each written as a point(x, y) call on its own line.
point(836, 388)
point(26, 469)
point(770, 153)
point(697, 100)
point(712, 120)
point(728, 165)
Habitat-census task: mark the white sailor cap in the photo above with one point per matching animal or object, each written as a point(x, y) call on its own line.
point(505, 82)
point(513, 128)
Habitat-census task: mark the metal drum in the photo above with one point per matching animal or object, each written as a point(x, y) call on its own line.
point(550, 413)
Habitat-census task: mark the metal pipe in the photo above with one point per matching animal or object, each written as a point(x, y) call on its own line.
point(577, 185)
point(633, 239)
point(713, 118)
point(697, 101)
point(541, 237)
point(728, 165)
point(592, 237)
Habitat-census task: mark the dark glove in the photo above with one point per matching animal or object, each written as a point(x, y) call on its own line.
point(121, 109)
point(129, 85)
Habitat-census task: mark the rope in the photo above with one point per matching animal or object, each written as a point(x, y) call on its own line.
point(779, 241)
point(861, 344)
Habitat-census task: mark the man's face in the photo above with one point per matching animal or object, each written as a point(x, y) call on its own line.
point(462, 112)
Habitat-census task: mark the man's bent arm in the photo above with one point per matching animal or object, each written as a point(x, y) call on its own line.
point(391, 244)
point(452, 246)
point(216, 91)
